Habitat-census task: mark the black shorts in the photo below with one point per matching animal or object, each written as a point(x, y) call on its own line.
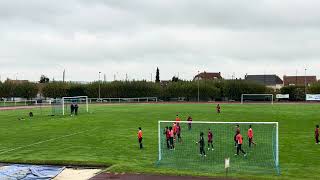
point(171, 140)
point(210, 141)
point(179, 136)
point(140, 140)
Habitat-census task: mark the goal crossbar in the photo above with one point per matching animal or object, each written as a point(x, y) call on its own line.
point(217, 122)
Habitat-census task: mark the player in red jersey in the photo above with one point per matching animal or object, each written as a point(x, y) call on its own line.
point(178, 131)
point(210, 139)
point(174, 129)
point(250, 136)
point(171, 138)
point(140, 137)
point(316, 134)
point(239, 139)
point(189, 122)
point(218, 108)
point(177, 119)
point(166, 132)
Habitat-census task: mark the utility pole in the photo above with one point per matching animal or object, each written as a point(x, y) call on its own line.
point(63, 75)
point(198, 86)
point(104, 78)
point(296, 77)
point(99, 87)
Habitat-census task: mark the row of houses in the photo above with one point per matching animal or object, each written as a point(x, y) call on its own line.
point(269, 80)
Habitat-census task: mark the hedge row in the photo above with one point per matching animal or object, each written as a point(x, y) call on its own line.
point(209, 90)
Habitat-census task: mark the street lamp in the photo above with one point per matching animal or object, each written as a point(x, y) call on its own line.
point(99, 87)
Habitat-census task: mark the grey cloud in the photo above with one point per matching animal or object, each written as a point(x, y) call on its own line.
point(192, 35)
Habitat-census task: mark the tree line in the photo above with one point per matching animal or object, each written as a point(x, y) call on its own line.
point(208, 89)
point(10, 89)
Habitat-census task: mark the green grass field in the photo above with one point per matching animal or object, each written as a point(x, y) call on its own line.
point(107, 135)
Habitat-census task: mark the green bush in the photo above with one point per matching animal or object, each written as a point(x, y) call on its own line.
point(296, 93)
point(314, 88)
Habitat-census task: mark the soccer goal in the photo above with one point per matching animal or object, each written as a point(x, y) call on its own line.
point(67, 101)
point(256, 98)
point(263, 157)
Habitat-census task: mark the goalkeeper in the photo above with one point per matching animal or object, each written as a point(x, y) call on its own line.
point(201, 143)
point(236, 133)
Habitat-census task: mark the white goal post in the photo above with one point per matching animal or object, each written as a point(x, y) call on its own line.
point(72, 98)
point(206, 124)
point(265, 95)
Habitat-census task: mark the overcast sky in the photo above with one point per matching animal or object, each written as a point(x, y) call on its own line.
point(181, 37)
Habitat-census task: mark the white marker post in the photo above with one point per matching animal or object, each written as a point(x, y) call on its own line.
point(226, 165)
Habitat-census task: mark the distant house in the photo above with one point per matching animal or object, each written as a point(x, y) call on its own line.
point(269, 80)
point(208, 76)
point(165, 82)
point(299, 80)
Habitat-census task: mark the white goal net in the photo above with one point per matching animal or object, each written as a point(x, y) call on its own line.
point(257, 98)
point(256, 152)
point(79, 100)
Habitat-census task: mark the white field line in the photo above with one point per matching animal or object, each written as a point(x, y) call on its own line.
point(40, 142)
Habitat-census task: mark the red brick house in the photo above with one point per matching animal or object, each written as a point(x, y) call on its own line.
point(208, 76)
point(299, 80)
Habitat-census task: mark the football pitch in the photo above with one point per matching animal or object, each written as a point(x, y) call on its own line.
point(107, 135)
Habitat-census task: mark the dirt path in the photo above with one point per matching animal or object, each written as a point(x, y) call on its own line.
point(20, 107)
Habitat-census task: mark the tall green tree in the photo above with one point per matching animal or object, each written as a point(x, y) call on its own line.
point(44, 79)
point(26, 90)
point(157, 76)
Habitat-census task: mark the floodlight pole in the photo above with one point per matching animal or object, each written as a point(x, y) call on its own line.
point(99, 87)
point(305, 81)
